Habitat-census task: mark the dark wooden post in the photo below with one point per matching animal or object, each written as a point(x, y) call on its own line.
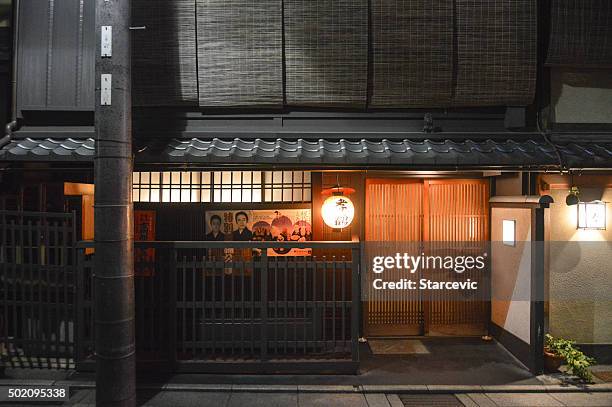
point(537, 290)
point(114, 261)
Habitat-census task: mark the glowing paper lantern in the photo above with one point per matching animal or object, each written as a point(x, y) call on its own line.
point(338, 211)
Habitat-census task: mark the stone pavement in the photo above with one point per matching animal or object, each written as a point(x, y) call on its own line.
point(86, 398)
point(535, 399)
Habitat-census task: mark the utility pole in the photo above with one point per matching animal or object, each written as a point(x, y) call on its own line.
point(114, 260)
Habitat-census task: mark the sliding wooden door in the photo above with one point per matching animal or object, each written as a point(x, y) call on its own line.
point(434, 217)
point(393, 214)
point(456, 216)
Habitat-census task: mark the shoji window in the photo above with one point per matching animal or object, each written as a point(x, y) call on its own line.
point(222, 186)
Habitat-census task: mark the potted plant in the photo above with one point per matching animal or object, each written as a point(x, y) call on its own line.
point(557, 350)
point(552, 359)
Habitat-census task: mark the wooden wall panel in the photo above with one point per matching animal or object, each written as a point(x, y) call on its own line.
point(86, 192)
point(55, 55)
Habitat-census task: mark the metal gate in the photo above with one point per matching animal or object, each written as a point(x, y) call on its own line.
point(37, 289)
point(437, 218)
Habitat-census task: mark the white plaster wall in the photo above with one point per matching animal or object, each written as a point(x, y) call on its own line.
point(582, 97)
point(580, 274)
point(509, 184)
point(511, 273)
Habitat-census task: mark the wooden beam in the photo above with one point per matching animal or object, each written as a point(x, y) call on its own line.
point(73, 188)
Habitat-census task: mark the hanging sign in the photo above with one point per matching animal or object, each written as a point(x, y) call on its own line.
point(144, 230)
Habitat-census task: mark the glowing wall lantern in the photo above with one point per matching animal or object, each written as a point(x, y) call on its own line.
point(509, 232)
point(592, 215)
point(338, 210)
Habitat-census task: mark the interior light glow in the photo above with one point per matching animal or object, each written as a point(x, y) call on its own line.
point(592, 215)
point(509, 232)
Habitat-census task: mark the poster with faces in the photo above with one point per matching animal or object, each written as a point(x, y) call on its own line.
point(264, 225)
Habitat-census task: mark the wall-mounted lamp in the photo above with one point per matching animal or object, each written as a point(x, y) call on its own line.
point(509, 232)
point(572, 198)
point(592, 215)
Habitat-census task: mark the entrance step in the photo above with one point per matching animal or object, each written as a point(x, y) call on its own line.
point(397, 346)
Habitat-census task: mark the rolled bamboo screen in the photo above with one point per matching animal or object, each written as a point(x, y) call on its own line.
point(164, 54)
point(581, 33)
point(240, 53)
point(496, 52)
point(412, 47)
point(404, 54)
point(326, 52)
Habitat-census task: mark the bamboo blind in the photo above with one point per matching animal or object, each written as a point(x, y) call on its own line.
point(406, 53)
point(496, 52)
point(412, 47)
point(164, 54)
point(240, 52)
point(581, 33)
point(326, 52)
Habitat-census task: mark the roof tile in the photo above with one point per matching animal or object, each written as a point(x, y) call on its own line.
point(430, 153)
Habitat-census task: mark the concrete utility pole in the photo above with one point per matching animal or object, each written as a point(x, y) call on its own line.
point(114, 260)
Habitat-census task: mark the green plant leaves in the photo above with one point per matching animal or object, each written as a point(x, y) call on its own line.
point(578, 363)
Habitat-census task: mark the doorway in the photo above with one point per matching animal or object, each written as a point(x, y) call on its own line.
point(433, 217)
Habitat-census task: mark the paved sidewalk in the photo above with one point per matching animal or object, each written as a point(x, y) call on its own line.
point(86, 398)
point(449, 361)
point(535, 399)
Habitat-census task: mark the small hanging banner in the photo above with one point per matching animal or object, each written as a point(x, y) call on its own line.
point(144, 230)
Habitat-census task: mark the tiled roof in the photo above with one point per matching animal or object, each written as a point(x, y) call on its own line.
point(426, 153)
point(48, 150)
point(390, 152)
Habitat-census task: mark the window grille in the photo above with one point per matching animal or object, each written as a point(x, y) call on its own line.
point(222, 186)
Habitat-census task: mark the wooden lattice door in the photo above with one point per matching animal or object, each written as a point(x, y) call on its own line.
point(433, 217)
point(456, 216)
point(394, 216)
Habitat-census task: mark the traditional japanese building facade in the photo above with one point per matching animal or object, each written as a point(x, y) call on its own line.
point(439, 127)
